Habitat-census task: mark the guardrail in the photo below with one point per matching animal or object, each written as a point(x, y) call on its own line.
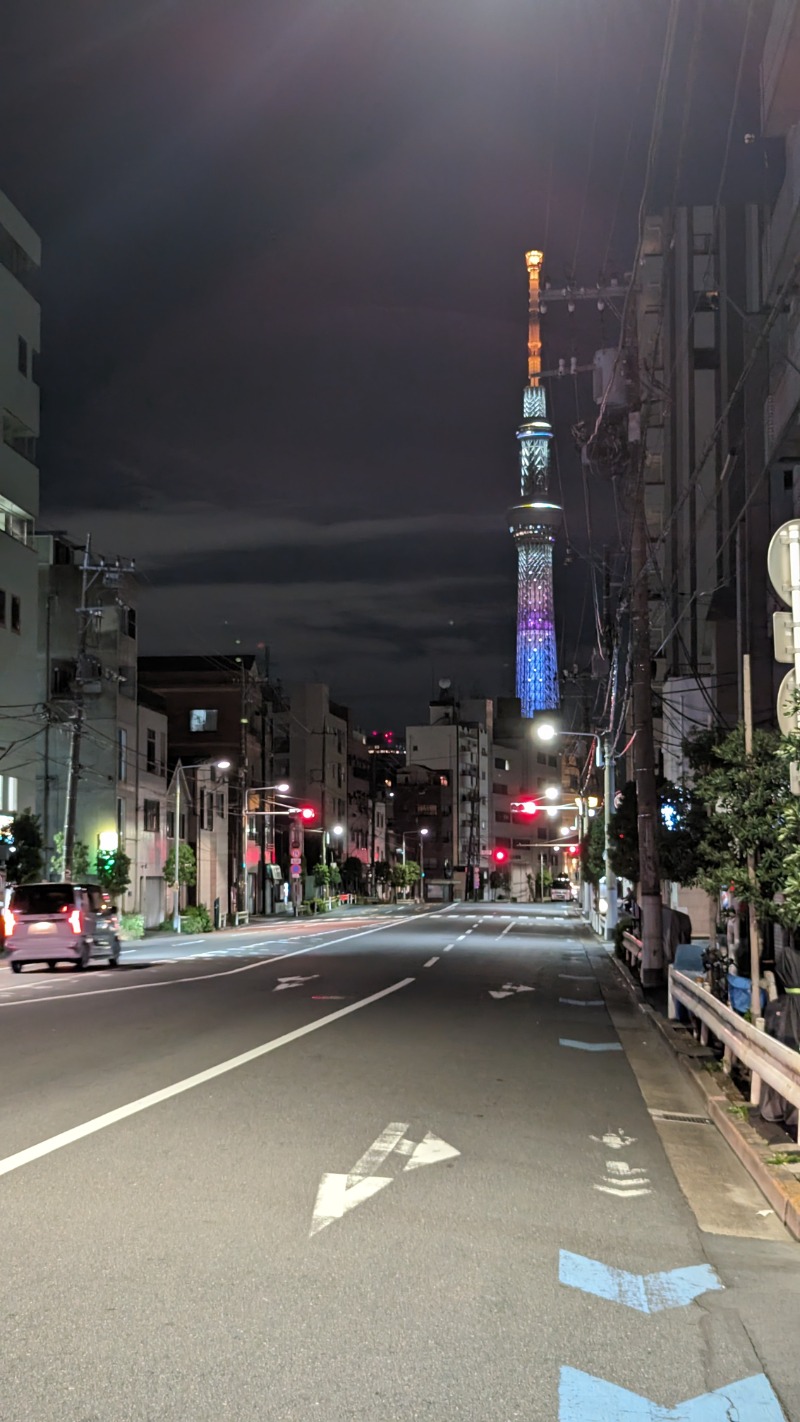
point(767, 1059)
point(632, 948)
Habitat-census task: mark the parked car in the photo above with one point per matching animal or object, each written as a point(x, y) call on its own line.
point(58, 923)
point(561, 890)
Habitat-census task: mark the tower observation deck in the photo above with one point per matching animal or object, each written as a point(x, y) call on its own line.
point(533, 524)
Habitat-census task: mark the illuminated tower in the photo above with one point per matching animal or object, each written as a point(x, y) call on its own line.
point(533, 523)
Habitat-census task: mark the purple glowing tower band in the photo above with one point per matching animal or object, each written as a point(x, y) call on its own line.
point(533, 524)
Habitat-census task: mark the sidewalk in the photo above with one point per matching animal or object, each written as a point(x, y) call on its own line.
point(768, 1153)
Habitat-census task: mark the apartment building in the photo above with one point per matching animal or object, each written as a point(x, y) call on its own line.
point(22, 723)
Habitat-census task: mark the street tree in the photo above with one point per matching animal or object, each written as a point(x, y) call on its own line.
point(80, 858)
point(187, 863)
point(114, 871)
point(26, 858)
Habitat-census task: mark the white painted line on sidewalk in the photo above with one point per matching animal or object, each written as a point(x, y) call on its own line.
point(196, 978)
point(430, 962)
point(121, 1113)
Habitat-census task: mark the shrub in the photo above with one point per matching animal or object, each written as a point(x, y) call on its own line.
point(196, 920)
point(131, 925)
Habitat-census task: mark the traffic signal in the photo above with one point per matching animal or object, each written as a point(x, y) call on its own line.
point(525, 807)
point(308, 813)
point(499, 856)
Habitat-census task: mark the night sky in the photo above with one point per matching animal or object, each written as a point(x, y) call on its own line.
point(284, 304)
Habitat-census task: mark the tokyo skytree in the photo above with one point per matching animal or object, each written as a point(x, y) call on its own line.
point(533, 524)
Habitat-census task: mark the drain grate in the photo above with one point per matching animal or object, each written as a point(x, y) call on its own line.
point(685, 1117)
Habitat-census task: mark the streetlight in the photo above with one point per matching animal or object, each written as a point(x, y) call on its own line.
point(179, 769)
point(422, 835)
point(552, 792)
point(547, 730)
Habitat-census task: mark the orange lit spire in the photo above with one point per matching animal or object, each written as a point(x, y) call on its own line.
point(533, 261)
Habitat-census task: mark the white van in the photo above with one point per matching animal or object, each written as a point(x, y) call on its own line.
point(58, 923)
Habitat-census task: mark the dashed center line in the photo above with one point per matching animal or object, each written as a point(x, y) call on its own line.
point(430, 962)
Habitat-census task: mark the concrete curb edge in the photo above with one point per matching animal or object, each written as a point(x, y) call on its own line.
point(777, 1184)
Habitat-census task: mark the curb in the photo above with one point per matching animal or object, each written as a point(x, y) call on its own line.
point(779, 1185)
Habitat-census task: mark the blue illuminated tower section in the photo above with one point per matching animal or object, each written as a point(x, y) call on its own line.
point(533, 524)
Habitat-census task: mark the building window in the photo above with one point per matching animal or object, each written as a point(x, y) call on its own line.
point(36, 362)
point(203, 720)
point(541, 834)
point(152, 764)
point(128, 621)
point(502, 816)
point(122, 753)
point(121, 820)
point(16, 260)
point(498, 789)
point(152, 816)
point(221, 805)
point(170, 824)
point(18, 437)
point(500, 764)
point(16, 614)
point(553, 760)
point(541, 758)
point(206, 810)
point(22, 355)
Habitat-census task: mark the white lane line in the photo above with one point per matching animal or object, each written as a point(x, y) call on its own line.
point(461, 937)
point(505, 931)
point(449, 946)
point(121, 1113)
point(582, 1002)
point(430, 962)
point(197, 978)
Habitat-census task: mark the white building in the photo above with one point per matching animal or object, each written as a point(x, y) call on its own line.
point(22, 724)
point(457, 742)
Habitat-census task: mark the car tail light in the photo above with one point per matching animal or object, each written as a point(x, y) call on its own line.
point(75, 921)
point(8, 922)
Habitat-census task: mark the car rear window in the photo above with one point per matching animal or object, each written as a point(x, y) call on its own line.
point(561, 883)
point(41, 898)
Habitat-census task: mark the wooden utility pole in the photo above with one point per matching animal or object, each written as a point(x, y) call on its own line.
point(644, 759)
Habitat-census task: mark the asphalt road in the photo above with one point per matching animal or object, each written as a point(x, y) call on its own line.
point(401, 1168)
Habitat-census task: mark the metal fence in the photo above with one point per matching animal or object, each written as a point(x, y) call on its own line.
point(767, 1059)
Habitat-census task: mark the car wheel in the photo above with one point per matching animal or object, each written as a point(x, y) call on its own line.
point(16, 967)
point(82, 962)
point(52, 964)
point(113, 961)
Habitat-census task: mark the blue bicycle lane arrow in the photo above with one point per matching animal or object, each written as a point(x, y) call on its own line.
point(648, 1293)
point(584, 1398)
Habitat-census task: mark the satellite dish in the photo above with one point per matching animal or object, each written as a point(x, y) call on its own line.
point(445, 683)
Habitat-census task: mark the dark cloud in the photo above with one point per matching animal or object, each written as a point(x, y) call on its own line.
point(284, 302)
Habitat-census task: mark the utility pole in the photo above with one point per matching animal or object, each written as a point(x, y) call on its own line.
point(609, 791)
point(755, 928)
point(644, 770)
point(90, 573)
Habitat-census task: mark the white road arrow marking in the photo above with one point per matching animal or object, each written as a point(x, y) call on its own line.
point(335, 1197)
point(430, 1151)
point(339, 1193)
point(615, 1140)
point(509, 989)
point(284, 983)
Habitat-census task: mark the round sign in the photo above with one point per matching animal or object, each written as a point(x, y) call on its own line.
point(787, 704)
point(778, 558)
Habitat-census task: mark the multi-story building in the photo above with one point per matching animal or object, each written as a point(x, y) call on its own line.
point(122, 762)
point(310, 752)
point(21, 728)
point(780, 122)
point(422, 821)
point(218, 709)
point(456, 743)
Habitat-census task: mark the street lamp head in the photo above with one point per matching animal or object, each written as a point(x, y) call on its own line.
point(283, 788)
point(565, 829)
point(423, 832)
point(546, 731)
point(223, 764)
point(338, 829)
point(551, 793)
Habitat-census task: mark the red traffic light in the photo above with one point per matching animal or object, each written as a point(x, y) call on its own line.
point(308, 813)
point(525, 807)
point(499, 856)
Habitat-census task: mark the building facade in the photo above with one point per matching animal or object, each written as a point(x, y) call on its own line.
point(456, 743)
point(22, 722)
